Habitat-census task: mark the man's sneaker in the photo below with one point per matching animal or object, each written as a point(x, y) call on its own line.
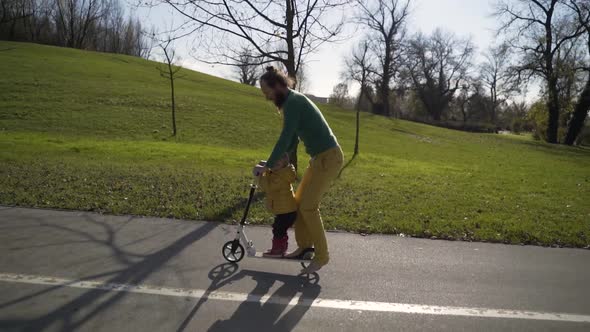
point(301, 253)
point(279, 247)
point(313, 267)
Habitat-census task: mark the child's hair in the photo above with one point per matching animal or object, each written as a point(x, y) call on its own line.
point(272, 77)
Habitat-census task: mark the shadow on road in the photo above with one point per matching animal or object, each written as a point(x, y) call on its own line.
point(254, 315)
point(137, 268)
point(238, 205)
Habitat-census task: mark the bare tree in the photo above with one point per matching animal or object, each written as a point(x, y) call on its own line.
point(582, 107)
point(170, 73)
point(74, 17)
point(462, 100)
point(246, 69)
point(385, 20)
point(514, 116)
point(437, 66)
point(98, 25)
point(116, 22)
point(14, 15)
point(472, 102)
point(359, 70)
point(537, 29)
point(339, 95)
point(302, 81)
point(494, 73)
point(14, 10)
point(277, 31)
point(146, 41)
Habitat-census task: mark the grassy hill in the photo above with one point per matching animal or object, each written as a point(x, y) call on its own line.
point(91, 131)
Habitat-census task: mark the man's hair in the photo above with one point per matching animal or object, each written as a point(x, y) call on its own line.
point(273, 77)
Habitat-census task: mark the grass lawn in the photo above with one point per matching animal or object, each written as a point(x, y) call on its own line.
point(91, 131)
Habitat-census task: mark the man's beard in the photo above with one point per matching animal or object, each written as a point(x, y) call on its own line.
point(280, 99)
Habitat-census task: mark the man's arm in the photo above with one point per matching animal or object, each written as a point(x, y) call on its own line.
point(287, 137)
point(294, 143)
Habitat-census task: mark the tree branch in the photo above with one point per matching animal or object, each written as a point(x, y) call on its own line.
point(271, 21)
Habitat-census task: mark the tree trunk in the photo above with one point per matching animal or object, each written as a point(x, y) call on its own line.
point(13, 29)
point(358, 119)
point(385, 82)
point(553, 102)
point(386, 76)
point(385, 97)
point(553, 109)
point(290, 64)
point(464, 113)
point(356, 138)
point(72, 27)
point(4, 17)
point(173, 108)
point(436, 108)
point(494, 96)
point(172, 98)
point(580, 113)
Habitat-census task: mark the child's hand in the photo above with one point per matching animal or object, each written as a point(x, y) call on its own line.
point(258, 170)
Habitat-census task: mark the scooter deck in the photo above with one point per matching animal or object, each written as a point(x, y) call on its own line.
point(305, 257)
point(295, 259)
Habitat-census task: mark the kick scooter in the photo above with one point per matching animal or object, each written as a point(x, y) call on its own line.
point(233, 251)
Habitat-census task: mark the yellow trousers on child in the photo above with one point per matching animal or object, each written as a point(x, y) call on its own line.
point(309, 228)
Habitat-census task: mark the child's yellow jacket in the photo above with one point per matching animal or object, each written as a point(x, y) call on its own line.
point(279, 190)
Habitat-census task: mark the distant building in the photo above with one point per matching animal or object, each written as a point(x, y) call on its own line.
point(319, 100)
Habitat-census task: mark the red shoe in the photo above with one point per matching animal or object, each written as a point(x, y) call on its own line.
point(279, 248)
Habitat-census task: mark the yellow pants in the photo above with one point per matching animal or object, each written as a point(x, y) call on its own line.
point(309, 228)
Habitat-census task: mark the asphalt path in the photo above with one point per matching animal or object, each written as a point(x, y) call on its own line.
point(65, 271)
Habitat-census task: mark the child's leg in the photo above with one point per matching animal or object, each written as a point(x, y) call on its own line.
point(282, 223)
point(276, 228)
point(280, 241)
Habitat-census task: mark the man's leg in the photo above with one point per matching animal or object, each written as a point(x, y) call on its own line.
point(301, 232)
point(324, 169)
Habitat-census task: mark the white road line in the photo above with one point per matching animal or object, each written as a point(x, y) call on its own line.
point(319, 303)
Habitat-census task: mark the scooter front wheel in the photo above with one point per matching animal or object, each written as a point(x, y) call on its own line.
point(233, 251)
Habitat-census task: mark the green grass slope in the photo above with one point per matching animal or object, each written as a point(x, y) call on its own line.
point(91, 131)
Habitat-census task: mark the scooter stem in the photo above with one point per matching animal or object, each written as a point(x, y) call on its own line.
point(253, 187)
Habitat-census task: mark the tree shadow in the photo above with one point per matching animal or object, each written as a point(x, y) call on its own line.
point(137, 268)
point(238, 205)
point(253, 314)
point(554, 149)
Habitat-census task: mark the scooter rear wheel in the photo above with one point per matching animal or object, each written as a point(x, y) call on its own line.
point(233, 251)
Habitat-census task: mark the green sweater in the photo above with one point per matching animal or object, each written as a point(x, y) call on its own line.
point(302, 119)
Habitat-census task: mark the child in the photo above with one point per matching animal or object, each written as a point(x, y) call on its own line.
point(280, 200)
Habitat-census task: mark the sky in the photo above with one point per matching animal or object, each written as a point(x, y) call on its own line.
point(466, 18)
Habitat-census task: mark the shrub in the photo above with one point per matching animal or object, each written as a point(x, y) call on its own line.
point(539, 118)
point(584, 137)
